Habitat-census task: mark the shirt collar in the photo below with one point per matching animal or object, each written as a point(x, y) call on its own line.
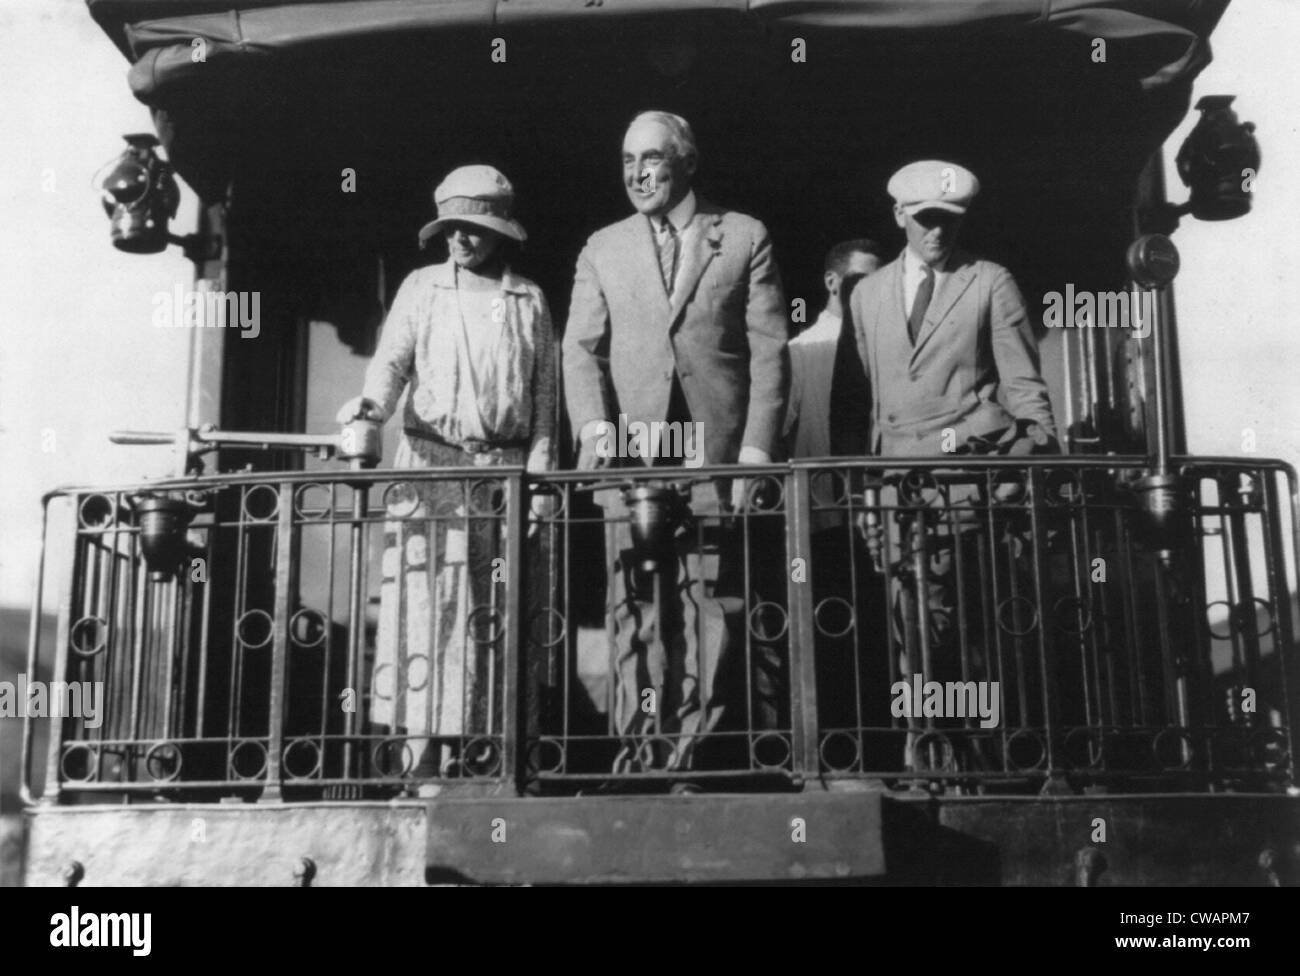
point(680, 215)
point(913, 264)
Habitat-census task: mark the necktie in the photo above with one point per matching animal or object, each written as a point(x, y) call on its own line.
point(667, 253)
point(919, 304)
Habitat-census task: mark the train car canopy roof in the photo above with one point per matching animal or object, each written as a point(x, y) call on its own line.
point(157, 35)
point(243, 87)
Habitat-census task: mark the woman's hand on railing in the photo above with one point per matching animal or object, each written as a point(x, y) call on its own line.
point(360, 408)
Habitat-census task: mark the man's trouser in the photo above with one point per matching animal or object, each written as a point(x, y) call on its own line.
point(688, 652)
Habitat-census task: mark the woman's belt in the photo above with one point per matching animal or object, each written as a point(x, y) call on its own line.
point(470, 445)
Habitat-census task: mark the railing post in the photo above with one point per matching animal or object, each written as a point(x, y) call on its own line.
point(512, 726)
point(1048, 657)
point(1285, 642)
point(803, 659)
point(50, 793)
point(284, 593)
point(356, 625)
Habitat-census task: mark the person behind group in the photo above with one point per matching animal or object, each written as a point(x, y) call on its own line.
point(678, 315)
point(808, 418)
point(829, 415)
point(472, 341)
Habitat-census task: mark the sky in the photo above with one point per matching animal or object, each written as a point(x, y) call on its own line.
point(78, 356)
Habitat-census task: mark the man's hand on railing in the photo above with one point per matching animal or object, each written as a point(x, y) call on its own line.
point(589, 459)
point(540, 509)
point(360, 408)
point(740, 486)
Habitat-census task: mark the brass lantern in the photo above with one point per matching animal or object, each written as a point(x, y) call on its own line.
point(1218, 161)
point(140, 197)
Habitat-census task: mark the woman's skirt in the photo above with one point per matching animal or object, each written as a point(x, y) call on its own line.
point(439, 649)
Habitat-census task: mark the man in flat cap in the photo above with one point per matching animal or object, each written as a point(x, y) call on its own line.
point(678, 319)
point(954, 369)
point(944, 335)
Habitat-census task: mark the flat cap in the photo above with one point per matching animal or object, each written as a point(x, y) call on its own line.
point(933, 184)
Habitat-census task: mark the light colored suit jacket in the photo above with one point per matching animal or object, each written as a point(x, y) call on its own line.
point(974, 367)
point(724, 331)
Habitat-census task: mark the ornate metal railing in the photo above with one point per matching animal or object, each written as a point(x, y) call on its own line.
point(369, 634)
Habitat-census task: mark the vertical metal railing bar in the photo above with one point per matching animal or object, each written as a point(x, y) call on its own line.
point(100, 603)
point(1048, 670)
point(27, 786)
point(117, 687)
point(1281, 589)
point(988, 545)
point(1111, 616)
point(236, 644)
point(139, 616)
point(1199, 628)
point(891, 558)
point(285, 588)
point(356, 621)
point(361, 680)
point(700, 640)
point(505, 620)
point(569, 646)
point(185, 628)
point(1226, 545)
point(886, 526)
point(75, 557)
point(1080, 572)
point(1168, 673)
point(959, 580)
point(994, 651)
point(918, 546)
point(1245, 595)
point(855, 635)
point(1203, 665)
point(96, 599)
point(401, 635)
point(751, 624)
point(171, 617)
point(205, 631)
point(1139, 708)
point(875, 525)
point(328, 702)
point(1101, 606)
point(1104, 619)
point(891, 554)
point(801, 637)
point(612, 609)
point(512, 703)
point(469, 649)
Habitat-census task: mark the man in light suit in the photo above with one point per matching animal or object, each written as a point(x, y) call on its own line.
point(944, 335)
point(682, 299)
point(954, 369)
point(678, 316)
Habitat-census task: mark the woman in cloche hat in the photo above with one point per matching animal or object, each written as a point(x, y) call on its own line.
point(473, 342)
